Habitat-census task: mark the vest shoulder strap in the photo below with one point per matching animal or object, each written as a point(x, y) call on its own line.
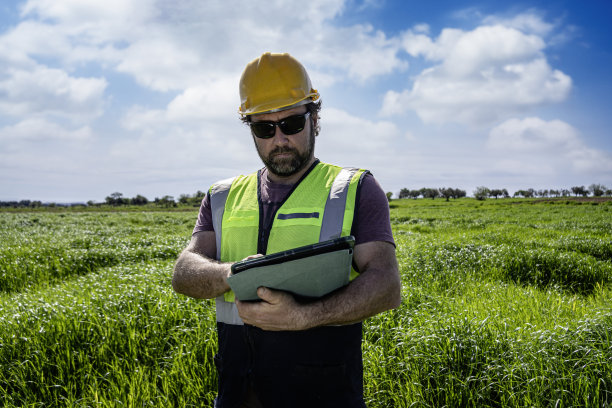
point(333, 216)
point(218, 196)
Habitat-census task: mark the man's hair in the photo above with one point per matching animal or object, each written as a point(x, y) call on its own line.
point(313, 107)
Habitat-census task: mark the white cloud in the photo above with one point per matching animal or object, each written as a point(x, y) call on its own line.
point(197, 106)
point(554, 144)
point(529, 22)
point(482, 76)
point(421, 28)
point(98, 21)
point(165, 45)
point(43, 90)
point(36, 129)
point(161, 64)
point(344, 137)
point(370, 53)
point(533, 135)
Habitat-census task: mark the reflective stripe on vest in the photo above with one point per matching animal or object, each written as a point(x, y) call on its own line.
point(333, 216)
point(218, 197)
point(333, 223)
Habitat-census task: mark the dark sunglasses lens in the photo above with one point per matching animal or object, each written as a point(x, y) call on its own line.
point(263, 130)
point(289, 126)
point(293, 124)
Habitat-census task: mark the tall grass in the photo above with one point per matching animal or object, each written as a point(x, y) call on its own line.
point(42, 249)
point(504, 303)
point(118, 337)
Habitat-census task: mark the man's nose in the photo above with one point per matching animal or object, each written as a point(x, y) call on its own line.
point(279, 136)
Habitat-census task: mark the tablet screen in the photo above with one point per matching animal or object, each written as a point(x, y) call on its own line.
point(347, 242)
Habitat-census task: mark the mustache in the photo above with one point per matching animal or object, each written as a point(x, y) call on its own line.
point(279, 150)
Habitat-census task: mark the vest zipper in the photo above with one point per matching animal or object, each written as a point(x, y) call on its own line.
point(263, 233)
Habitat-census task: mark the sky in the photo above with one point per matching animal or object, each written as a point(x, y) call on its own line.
point(141, 96)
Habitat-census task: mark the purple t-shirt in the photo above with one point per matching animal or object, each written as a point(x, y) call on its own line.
point(371, 222)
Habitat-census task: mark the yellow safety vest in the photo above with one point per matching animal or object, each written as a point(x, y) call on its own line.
point(320, 207)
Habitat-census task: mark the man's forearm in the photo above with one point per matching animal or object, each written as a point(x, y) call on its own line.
point(376, 289)
point(371, 293)
point(200, 277)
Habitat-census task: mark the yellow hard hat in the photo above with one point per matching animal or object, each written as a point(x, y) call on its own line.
point(274, 82)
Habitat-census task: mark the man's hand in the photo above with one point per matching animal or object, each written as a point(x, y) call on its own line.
point(277, 310)
point(375, 290)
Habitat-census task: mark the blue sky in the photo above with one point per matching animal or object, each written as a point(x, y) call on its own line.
point(141, 96)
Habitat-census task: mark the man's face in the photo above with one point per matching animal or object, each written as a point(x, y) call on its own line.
point(286, 155)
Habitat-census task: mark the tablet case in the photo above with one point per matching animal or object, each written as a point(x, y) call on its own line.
point(310, 277)
point(334, 244)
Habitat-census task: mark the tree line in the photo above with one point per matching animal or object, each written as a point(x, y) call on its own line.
point(117, 199)
point(426, 192)
point(480, 193)
point(595, 190)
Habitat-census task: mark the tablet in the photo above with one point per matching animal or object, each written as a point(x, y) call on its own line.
point(310, 271)
point(318, 248)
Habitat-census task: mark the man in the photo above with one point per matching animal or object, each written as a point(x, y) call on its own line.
point(281, 351)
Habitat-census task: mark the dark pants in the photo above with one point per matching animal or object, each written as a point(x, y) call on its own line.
point(321, 367)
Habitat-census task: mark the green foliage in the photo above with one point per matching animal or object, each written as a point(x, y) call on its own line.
point(481, 193)
point(504, 303)
point(46, 249)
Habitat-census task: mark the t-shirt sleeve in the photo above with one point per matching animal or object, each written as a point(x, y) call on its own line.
point(372, 221)
point(204, 221)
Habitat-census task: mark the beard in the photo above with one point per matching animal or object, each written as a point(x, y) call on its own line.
point(288, 166)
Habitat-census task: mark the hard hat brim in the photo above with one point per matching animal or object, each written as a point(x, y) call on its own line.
point(274, 107)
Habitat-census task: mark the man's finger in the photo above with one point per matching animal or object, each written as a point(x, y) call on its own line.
point(265, 294)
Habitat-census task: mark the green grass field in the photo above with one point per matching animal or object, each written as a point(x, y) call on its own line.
point(505, 303)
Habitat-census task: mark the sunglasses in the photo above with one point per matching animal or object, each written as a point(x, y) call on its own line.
point(289, 126)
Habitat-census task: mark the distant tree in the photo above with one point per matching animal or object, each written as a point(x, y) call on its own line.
point(520, 193)
point(597, 189)
point(166, 201)
point(458, 193)
point(414, 194)
point(565, 192)
point(496, 192)
point(505, 193)
point(447, 192)
point(139, 200)
point(580, 190)
point(608, 192)
point(430, 193)
point(197, 198)
point(184, 199)
point(529, 193)
point(115, 199)
point(481, 193)
point(554, 193)
point(404, 193)
point(389, 195)
point(542, 193)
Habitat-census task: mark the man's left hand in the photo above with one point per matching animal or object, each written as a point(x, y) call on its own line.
point(277, 310)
